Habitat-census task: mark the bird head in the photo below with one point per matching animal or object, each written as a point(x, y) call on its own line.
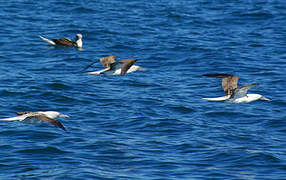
point(53, 114)
point(79, 36)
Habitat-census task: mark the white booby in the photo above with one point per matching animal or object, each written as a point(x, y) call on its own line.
point(65, 41)
point(234, 94)
point(46, 116)
point(112, 67)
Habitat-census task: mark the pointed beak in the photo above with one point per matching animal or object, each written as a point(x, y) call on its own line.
point(94, 73)
point(142, 69)
point(63, 115)
point(265, 99)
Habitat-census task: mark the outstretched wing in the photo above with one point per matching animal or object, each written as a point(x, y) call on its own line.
point(22, 113)
point(49, 120)
point(106, 61)
point(126, 64)
point(242, 91)
point(229, 82)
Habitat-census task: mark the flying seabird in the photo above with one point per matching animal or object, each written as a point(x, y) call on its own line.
point(112, 67)
point(233, 93)
point(46, 116)
point(65, 41)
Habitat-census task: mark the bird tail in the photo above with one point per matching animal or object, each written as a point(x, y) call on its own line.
point(142, 69)
point(47, 40)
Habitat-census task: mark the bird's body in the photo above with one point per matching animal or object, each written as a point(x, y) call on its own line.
point(246, 99)
point(65, 41)
point(46, 116)
point(233, 93)
point(118, 71)
point(113, 67)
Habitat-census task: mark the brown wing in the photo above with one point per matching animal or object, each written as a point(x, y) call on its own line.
point(21, 113)
point(106, 61)
point(126, 64)
point(64, 42)
point(229, 82)
point(52, 121)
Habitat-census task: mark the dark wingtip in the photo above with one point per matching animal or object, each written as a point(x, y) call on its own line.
point(59, 125)
point(89, 66)
point(62, 127)
point(250, 85)
point(254, 84)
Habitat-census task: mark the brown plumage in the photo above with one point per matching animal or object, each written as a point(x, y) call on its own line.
point(111, 66)
point(21, 113)
point(229, 82)
point(50, 120)
point(109, 62)
point(126, 64)
point(42, 117)
point(64, 42)
point(106, 61)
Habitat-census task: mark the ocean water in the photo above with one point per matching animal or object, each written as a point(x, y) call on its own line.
point(144, 125)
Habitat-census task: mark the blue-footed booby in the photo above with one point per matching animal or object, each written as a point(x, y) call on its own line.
point(46, 116)
point(234, 94)
point(112, 67)
point(65, 41)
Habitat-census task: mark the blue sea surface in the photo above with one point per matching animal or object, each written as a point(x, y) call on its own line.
point(144, 125)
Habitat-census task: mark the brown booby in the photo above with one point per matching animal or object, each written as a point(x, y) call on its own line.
point(65, 41)
point(112, 67)
point(46, 116)
point(233, 93)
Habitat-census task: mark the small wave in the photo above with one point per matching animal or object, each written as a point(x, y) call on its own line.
point(182, 109)
point(83, 10)
point(43, 151)
point(258, 14)
point(58, 86)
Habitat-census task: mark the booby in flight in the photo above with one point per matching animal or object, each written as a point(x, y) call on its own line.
point(46, 116)
point(233, 93)
point(65, 41)
point(112, 67)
